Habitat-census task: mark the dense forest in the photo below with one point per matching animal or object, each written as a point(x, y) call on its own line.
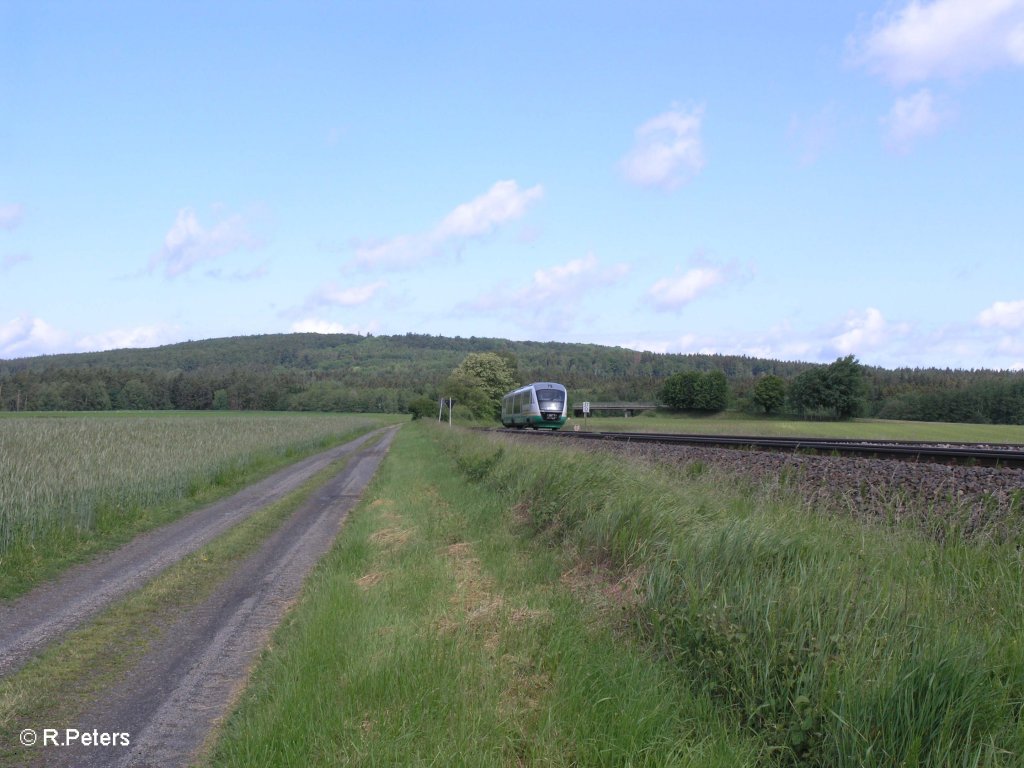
point(346, 372)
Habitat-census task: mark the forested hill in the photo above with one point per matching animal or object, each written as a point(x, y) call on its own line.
point(349, 372)
point(410, 356)
point(312, 370)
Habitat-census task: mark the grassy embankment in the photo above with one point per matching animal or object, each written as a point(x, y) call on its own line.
point(72, 485)
point(447, 626)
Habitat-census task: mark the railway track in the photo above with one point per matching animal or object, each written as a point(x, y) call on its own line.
point(974, 454)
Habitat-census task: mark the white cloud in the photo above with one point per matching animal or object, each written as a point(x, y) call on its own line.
point(572, 277)
point(1010, 345)
point(867, 334)
point(123, 338)
point(944, 39)
point(11, 215)
point(502, 203)
point(911, 118)
point(347, 297)
point(864, 331)
point(688, 342)
point(658, 346)
point(26, 336)
point(314, 325)
point(672, 293)
point(667, 150)
point(566, 282)
point(403, 250)
point(1003, 314)
point(188, 243)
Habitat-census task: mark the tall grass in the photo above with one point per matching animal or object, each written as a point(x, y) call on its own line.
point(75, 475)
point(837, 643)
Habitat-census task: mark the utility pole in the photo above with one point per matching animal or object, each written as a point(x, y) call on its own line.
point(440, 410)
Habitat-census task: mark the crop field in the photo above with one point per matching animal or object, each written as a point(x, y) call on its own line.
point(866, 429)
point(72, 476)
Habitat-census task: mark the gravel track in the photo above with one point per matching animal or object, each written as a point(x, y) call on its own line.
point(171, 699)
point(187, 683)
point(44, 614)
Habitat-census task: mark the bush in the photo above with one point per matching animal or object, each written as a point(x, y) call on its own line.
point(422, 407)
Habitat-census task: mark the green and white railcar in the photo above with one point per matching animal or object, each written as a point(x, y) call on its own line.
point(541, 405)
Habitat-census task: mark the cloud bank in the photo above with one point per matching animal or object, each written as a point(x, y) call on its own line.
point(944, 39)
point(25, 336)
point(1003, 314)
point(122, 338)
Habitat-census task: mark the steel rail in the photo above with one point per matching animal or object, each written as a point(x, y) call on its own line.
point(921, 451)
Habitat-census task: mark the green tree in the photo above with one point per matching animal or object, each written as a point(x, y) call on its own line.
point(845, 378)
point(220, 400)
point(769, 393)
point(696, 391)
point(479, 382)
point(680, 390)
point(712, 393)
point(833, 391)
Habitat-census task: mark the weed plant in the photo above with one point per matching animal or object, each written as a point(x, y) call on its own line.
point(836, 642)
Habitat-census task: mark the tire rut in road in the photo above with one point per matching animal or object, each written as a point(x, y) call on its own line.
point(36, 619)
point(170, 701)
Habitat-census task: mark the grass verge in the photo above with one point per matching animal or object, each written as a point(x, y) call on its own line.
point(834, 642)
point(437, 632)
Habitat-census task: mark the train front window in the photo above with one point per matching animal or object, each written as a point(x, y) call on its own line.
point(550, 399)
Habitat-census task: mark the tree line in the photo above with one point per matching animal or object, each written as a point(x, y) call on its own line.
point(835, 391)
point(347, 372)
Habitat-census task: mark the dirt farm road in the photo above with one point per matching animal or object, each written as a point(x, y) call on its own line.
point(170, 700)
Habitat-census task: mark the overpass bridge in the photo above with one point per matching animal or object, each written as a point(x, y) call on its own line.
point(610, 408)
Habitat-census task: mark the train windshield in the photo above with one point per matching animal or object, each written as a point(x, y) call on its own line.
point(550, 399)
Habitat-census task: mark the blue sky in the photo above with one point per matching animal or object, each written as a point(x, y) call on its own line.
point(796, 180)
